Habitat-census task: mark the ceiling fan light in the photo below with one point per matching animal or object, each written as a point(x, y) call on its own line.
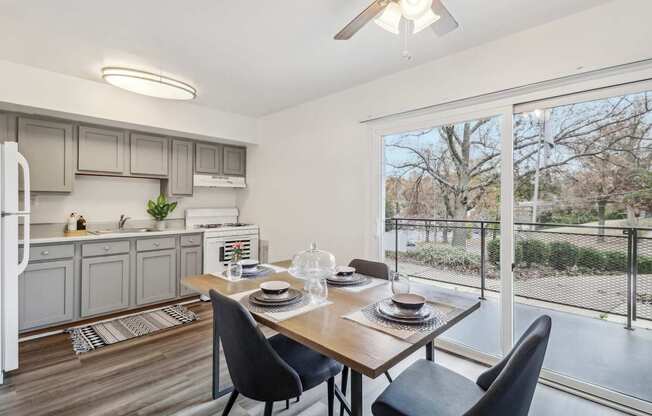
point(390, 18)
point(147, 83)
point(428, 18)
point(414, 9)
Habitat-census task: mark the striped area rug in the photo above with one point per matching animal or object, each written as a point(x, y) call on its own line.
point(91, 337)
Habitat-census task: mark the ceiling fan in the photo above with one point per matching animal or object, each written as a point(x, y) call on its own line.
point(389, 14)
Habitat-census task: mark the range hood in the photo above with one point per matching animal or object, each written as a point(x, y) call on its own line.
point(218, 181)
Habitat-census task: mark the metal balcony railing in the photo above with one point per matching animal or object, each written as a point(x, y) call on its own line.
point(604, 269)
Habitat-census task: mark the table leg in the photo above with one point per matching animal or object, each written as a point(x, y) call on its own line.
point(430, 351)
point(356, 393)
point(217, 393)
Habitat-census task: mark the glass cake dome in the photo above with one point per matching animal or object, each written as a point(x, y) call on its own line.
point(313, 263)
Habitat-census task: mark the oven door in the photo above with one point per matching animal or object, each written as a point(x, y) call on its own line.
point(218, 251)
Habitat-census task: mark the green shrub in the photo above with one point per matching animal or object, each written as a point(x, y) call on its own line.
point(590, 259)
point(493, 251)
point(531, 252)
point(447, 256)
point(645, 264)
point(563, 255)
point(615, 261)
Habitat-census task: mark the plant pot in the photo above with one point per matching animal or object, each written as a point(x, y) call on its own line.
point(161, 225)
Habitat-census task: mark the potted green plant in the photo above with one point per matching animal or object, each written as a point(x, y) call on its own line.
point(160, 209)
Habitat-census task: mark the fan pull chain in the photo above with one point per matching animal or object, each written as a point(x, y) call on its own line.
point(406, 32)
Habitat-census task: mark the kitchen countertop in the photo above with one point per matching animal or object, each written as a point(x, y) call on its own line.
point(53, 233)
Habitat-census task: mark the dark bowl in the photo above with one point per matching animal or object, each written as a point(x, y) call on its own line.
point(274, 287)
point(344, 271)
point(409, 301)
point(248, 264)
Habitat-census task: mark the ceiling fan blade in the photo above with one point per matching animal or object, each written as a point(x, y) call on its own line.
point(362, 19)
point(446, 23)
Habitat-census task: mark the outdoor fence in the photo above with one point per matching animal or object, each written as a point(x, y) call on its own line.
point(603, 269)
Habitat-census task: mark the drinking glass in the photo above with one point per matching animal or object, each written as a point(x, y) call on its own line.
point(234, 271)
point(400, 283)
point(318, 290)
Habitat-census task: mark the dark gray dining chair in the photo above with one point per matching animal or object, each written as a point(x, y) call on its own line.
point(507, 388)
point(267, 370)
point(368, 268)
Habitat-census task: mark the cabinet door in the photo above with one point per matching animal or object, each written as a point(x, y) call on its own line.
point(104, 284)
point(7, 127)
point(47, 146)
point(100, 150)
point(180, 181)
point(149, 155)
point(156, 276)
point(191, 265)
point(46, 294)
point(208, 158)
point(234, 161)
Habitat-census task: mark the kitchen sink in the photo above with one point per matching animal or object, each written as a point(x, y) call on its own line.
point(123, 231)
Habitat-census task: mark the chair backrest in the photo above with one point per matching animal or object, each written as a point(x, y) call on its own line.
point(256, 370)
point(371, 268)
point(510, 384)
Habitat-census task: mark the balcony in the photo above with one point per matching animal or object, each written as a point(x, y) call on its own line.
point(595, 282)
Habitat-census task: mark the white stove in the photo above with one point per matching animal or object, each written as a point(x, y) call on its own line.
point(221, 230)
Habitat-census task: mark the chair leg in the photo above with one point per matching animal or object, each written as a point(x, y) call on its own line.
point(389, 378)
point(331, 395)
point(268, 408)
point(229, 404)
point(343, 383)
point(287, 404)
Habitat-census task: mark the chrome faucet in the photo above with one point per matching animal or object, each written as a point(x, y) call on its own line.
point(121, 222)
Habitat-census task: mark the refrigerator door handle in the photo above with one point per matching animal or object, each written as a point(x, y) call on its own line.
point(22, 162)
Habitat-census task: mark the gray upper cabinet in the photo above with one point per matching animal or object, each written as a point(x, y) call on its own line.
point(191, 265)
point(208, 158)
point(104, 284)
point(149, 155)
point(46, 294)
point(48, 147)
point(156, 276)
point(235, 161)
point(181, 162)
point(101, 150)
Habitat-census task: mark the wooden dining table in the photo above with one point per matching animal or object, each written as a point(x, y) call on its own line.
point(365, 350)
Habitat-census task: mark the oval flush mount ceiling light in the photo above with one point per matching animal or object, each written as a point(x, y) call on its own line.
point(148, 83)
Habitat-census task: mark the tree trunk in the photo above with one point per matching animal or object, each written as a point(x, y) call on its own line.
point(460, 232)
point(602, 208)
point(632, 216)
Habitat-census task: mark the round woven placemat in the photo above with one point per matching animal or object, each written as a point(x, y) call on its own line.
point(438, 319)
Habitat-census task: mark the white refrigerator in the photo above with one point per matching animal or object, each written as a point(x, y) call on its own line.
point(12, 164)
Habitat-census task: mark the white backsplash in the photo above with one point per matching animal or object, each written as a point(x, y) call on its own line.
point(101, 199)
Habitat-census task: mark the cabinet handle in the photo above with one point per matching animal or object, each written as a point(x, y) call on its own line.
point(45, 252)
point(191, 241)
point(106, 248)
point(157, 244)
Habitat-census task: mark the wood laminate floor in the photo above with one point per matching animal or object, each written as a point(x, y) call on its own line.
point(169, 373)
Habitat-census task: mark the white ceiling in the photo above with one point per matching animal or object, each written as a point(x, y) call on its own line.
point(251, 57)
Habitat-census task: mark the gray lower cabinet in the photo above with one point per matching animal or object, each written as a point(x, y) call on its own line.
point(208, 158)
point(235, 161)
point(191, 265)
point(48, 147)
point(156, 276)
point(100, 150)
point(104, 284)
point(149, 155)
point(180, 182)
point(46, 294)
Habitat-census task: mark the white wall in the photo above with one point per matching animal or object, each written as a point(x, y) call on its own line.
point(101, 199)
point(65, 96)
point(311, 177)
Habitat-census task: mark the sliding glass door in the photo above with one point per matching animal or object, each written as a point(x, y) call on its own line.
point(582, 220)
point(442, 216)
